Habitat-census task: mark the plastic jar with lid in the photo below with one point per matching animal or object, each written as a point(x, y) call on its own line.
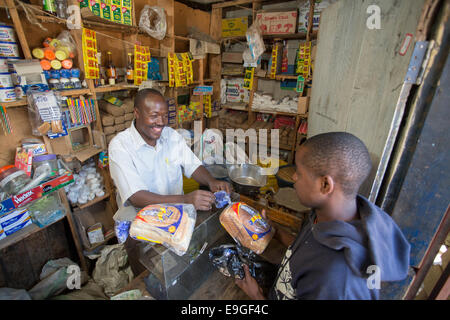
point(13, 180)
point(45, 163)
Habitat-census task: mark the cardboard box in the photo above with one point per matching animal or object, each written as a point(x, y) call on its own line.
point(232, 57)
point(277, 22)
point(303, 104)
point(15, 221)
point(234, 27)
point(199, 48)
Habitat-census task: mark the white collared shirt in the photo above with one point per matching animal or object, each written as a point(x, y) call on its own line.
point(135, 165)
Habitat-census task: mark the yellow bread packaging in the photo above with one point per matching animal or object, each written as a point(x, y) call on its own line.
point(171, 225)
point(247, 226)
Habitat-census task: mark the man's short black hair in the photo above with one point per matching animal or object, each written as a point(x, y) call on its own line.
point(340, 155)
point(142, 94)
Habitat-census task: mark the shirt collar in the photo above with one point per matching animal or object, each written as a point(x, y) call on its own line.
point(139, 141)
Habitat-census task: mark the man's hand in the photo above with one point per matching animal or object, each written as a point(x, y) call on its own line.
point(201, 199)
point(250, 286)
point(218, 185)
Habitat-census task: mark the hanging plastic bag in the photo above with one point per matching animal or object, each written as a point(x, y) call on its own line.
point(255, 41)
point(44, 112)
point(153, 22)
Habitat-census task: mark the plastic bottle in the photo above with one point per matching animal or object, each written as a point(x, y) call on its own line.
point(111, 73)
point(61, 8)
point(130, 69)
point(49, 6)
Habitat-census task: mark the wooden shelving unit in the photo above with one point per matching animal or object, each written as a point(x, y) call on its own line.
point(120, 39)
point(309, 35)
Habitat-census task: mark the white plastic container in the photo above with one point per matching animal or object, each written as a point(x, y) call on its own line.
point(7, 94)
point(7, 33)
point(5, 80)
point(9, 49)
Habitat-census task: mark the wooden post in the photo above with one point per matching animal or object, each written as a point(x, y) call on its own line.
point(73, 228)
point(19, 30)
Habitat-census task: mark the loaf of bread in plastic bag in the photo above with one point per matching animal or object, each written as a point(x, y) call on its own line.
point(247, 226)
point(171, 225)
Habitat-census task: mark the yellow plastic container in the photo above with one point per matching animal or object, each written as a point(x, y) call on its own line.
point(38, 53)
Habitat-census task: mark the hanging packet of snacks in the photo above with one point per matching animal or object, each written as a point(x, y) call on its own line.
point(180, 69)
point(187, 63)
point(44, 112)
point(171, 60)
point(141, 60)
point(248, 78)
point(274, 60)
point(180, 73)
point(304, 59)
point(91, 68)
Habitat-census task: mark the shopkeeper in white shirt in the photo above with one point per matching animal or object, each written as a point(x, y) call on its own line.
point(147, 160)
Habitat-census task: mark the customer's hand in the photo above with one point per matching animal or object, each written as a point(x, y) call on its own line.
point(218, 185)
point(201, 199)
point(250, 286)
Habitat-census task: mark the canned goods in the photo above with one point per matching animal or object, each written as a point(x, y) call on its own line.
point(7, 94)
point(9, 49)
point(5, 80)
point(7, 33)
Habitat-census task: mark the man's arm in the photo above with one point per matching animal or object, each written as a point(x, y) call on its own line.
point(202, 176)
point(202, 200)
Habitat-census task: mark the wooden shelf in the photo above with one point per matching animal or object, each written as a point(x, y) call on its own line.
point(23, 233)
point(92, 202)
point(115, 87)
point(301, 36)
point(235, 107)
point(18, 103)
point(278, 113)
point(24, 102)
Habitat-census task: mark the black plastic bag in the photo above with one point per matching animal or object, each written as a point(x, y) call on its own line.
point(229, 260)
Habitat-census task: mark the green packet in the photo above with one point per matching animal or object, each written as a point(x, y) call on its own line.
point(113, 100)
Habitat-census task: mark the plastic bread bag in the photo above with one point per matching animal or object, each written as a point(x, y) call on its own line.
point(229, 260)
point(171, 225)
point(153, 22)
point(246, 226)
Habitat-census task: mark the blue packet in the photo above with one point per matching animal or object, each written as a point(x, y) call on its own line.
point(222, 199)
point(122, 229)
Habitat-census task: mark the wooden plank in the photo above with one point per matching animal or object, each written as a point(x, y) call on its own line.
point(233, 3)
point(38, 251)
point(73, 229)
point(19, 30)
point(351, 92)
point(57, 240)
point(18, 271)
